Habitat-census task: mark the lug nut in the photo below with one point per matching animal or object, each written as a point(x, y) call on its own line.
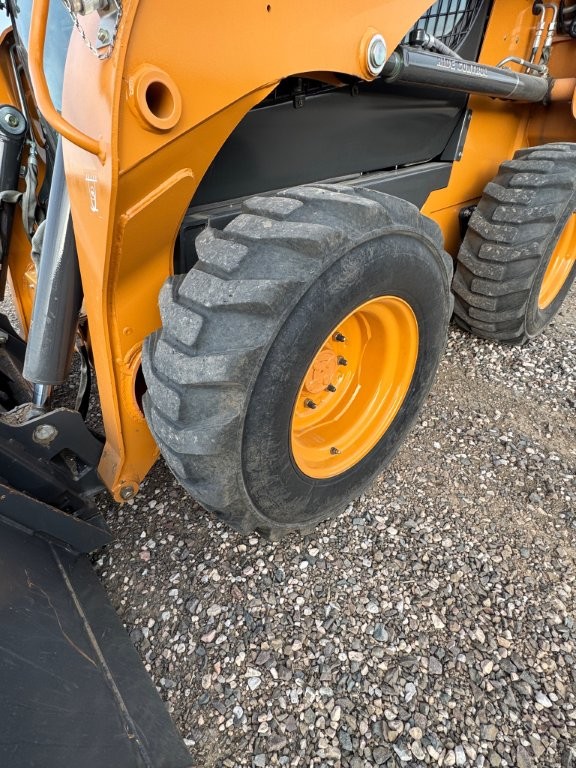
point(310, 404)
point(334, 451)
point(331, 388)
point(342, 361)
point(339, 337)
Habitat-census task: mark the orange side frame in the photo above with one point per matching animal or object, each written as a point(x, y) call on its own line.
point(178, 83)
point(158, 111)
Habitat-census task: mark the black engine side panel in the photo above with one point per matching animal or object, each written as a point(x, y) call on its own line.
point(334, 134)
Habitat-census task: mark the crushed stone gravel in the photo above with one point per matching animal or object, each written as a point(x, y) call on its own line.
point(432, 624)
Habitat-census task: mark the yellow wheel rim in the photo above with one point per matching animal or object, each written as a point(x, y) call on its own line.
point(560, 265)
point(354, 387)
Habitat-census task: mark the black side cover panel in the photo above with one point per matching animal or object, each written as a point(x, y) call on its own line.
point(334, 134)
point(73, 691)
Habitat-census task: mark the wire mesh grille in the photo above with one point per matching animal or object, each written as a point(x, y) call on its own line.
point(449, 20)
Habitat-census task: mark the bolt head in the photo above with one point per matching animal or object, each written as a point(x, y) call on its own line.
point(103, 36)
point(376, 56)
point(127, 492)
point(44, 434)
point(334, 451)
point(85, 7)
point(342, 361)
point(11, 120)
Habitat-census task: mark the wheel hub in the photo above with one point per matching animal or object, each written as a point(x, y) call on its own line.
point(321, 372)
point(354, 387)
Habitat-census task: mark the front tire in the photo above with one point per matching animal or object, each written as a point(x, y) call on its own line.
point(248, 395)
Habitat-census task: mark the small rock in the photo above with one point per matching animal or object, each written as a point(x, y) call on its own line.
point(345, 741)
point(460, 755)
point(542, 699)
point(437, 621)
point(380, 633)
point(380, 755)
point(434, 666)
point(523, 758)
point(276, 743)
point(418, 750)
point(487, 667)
point(488, 732)
point(404, 754)
point(537, 747)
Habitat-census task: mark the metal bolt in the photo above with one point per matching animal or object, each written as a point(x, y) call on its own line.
point(127, 492)
point(376, 54)
point(310, 404)
point(11, 119)
point(44, 434)
point(84, 7)
point(331, 388)
point(334, 451)
point(339, 337)
point(342, 361)
point(103, 36)
point(3, 338)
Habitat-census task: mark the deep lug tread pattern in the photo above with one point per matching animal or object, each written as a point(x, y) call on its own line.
point(221, 318)
point(510, 237)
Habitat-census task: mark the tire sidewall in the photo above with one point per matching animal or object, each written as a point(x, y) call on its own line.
point(403, 264)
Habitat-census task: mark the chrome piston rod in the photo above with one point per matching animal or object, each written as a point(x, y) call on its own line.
point(58, 294)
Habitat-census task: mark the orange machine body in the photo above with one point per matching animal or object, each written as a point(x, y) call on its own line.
point(143, 126)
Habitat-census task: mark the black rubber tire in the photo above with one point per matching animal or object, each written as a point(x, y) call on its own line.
point(510, 239)
point(241, 328)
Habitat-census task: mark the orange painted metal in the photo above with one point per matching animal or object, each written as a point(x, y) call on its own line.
point(127, 210)
point(38, 25)
point(563, 89)
point(555, 122)
point(354, 387)
point(178, 82)
point(560, 265)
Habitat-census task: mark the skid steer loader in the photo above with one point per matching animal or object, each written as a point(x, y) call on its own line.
point(250, 224)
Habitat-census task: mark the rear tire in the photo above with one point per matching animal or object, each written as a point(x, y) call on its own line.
point(517, 260)
point(241, 329)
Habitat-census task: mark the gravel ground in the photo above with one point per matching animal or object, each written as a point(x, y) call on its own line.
point(431, 624)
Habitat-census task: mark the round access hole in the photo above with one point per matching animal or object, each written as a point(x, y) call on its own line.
point(155, 98)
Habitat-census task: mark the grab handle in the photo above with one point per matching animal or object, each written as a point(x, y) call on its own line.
point(38, 26)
